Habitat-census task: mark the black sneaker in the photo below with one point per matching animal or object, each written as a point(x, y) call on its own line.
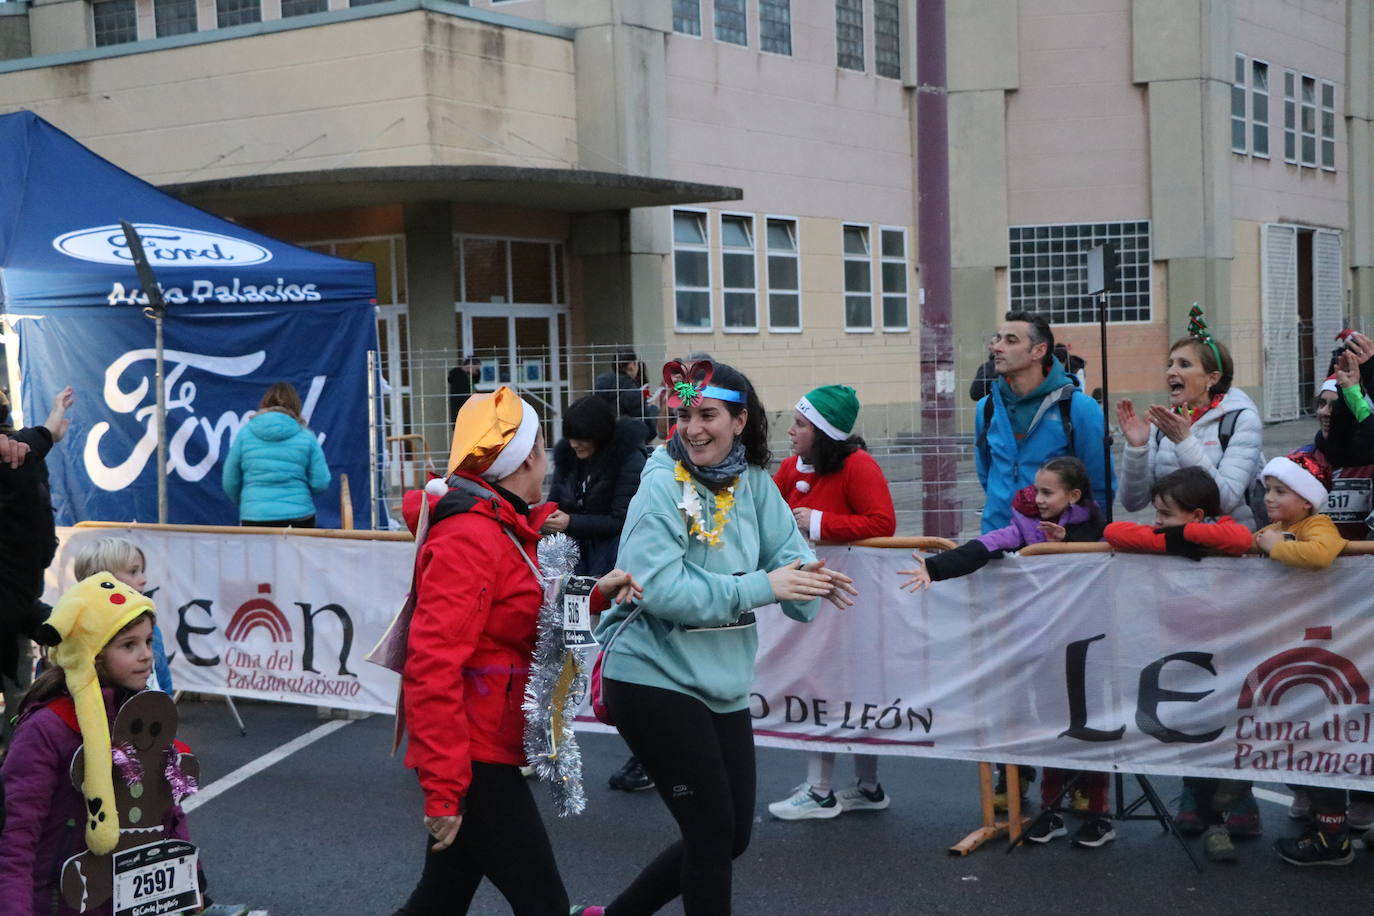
point(1317, 847)
point(1048, 829)
point(1094, 833)
point(631, 777)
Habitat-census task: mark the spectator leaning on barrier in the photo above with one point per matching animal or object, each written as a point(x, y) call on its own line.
point(837, 493)
point(1035, 412)
point(1349, 435)
point(1207, 424)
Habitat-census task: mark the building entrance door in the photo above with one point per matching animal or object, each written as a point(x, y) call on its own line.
point(523, 346)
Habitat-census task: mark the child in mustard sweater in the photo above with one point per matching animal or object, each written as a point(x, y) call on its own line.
point(1295, 488)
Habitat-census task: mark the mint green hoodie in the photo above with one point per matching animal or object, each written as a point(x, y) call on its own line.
point(696, 633)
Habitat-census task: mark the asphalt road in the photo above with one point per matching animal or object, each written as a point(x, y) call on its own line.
point(335, 828)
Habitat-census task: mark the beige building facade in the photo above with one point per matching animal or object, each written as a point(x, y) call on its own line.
point(539, 181)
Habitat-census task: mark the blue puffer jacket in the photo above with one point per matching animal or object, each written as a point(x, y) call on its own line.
point(275, 469)
point(1008, 461)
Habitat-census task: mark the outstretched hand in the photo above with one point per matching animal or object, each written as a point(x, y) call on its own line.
point(920, 576)
point(795, 583)
point(842, 592)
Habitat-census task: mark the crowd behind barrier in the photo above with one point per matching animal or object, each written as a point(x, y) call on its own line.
point(970, 669)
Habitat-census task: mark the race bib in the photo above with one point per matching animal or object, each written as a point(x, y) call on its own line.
point(577, 611)
point(156, 879)
point(1349, 499)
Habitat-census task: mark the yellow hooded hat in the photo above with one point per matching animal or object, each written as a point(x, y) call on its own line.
point(87, 617)
point(493, 434)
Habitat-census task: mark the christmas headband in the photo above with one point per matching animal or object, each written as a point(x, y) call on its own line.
point(1197, 329)
point(687, 385)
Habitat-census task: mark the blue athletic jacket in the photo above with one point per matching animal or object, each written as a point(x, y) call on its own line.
point(275, 468)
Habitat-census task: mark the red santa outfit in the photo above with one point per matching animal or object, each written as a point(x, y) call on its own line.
point(848, 505)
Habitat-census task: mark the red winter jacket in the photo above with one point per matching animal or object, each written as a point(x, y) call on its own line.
point(854, 503)
point(471, 640)
point(1223, 535)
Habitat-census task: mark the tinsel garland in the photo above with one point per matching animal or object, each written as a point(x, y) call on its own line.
point(556, 686)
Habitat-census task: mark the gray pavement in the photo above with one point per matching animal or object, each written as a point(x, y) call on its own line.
point(335, 828)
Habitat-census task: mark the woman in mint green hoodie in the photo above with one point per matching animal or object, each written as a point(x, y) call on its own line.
point(710, 538)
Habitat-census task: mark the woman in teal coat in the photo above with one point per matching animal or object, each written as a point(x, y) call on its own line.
point(276, 467)
point(711, 539)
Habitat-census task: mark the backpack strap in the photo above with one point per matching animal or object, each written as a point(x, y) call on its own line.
point(982, 445)
point(1065, 401)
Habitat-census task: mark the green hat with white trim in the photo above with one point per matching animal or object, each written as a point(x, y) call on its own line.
point(833, 409)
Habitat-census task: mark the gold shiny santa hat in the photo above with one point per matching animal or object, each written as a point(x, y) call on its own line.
point(493, 434)
point(86, 617)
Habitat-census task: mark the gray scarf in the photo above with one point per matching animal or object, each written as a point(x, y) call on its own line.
point(716, 477)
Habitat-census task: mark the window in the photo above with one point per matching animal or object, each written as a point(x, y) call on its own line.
point(1048, 272)
point(1309, 121)
point(237, 12)
point(1238, 107)
point(849, 34)
point(858, 279)
point(893, 274)
point(784, 276)
point(687, 17)
point(1259, 109)
point(691, 271)
point(1328, 125)
point(775, 26)
point(302, 7)
point(739, 281)
point(114, 22)
point(174, 17)
point(730, 24)
point(887, 39)
point(1290, 117)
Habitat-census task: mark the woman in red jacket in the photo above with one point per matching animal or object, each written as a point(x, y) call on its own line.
point(839, 494)
point(471, 640)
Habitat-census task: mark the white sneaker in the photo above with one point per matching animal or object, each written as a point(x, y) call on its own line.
point(855, 798)
point(804, 803)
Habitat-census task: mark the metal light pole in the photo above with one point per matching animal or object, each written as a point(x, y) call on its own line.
point(156, 309)
point(939, 467)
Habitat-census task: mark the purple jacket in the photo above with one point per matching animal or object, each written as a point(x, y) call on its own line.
point(43, 815)
point(1025, 530)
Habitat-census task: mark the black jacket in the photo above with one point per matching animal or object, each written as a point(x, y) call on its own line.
point(1350, 444)
point(596, 493)
point(28, 541)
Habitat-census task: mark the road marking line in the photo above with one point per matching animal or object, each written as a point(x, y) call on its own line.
point(248, 770)
point(1277, 798)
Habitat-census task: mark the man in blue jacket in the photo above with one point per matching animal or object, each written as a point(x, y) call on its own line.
point(1034, 412)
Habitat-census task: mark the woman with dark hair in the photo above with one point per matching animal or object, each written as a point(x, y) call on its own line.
point(711, 539)
point(1213, 426)
point(275, 467)
point(596, 467)
point(837, 493)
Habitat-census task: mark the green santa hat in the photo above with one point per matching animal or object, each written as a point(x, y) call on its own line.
point(832, 409)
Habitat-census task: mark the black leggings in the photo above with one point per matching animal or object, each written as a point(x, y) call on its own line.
point(502, 839)
point(702, 764)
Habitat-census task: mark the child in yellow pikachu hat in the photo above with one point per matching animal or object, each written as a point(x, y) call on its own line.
point(101, 635)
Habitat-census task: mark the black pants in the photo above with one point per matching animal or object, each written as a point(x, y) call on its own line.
point(305, 521)
point(503, 840)
point(702, 764)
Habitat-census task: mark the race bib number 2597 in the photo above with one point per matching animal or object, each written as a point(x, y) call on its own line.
point(156, 879)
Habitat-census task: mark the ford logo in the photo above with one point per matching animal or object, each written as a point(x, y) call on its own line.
point(164, 246)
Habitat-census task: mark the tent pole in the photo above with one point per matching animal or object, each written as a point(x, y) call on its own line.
point(156, 310)
point(373, 407)
point(161, 423)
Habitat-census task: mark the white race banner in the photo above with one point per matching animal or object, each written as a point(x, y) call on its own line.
point(1144, 664)
point(274, 617)
point(1090, 661)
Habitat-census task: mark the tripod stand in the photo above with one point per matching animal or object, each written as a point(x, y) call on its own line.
point(1124, 811)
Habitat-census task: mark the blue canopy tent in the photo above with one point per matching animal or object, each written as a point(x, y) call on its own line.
point(243, 311)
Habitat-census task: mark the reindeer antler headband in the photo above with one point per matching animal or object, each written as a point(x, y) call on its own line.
point(687, 385)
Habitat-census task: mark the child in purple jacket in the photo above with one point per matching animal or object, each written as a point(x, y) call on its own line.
point(45, 821)
point(1057, 507)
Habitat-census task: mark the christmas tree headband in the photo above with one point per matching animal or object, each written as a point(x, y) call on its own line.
point(1197, 329)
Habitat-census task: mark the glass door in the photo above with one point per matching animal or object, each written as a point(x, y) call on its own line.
point(520, 346)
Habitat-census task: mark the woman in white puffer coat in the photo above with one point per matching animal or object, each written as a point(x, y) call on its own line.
point(1190, 431)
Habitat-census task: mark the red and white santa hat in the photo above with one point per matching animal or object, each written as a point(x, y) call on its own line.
point(1305, 473)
